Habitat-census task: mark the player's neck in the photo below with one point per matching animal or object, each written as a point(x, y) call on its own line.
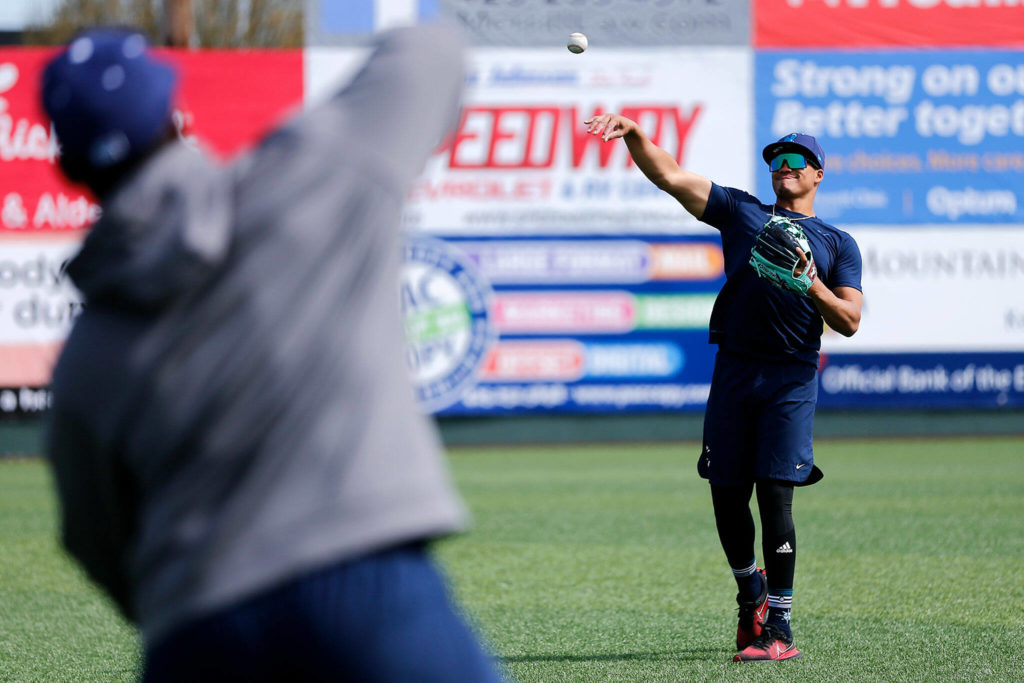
point(802, 205)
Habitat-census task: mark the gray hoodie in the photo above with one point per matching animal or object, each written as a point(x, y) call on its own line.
point(233, 407)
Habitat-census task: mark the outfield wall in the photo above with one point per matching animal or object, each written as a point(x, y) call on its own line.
point(23, 437)
point(545, 275)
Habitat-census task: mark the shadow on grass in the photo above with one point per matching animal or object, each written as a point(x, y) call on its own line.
point(695, 654)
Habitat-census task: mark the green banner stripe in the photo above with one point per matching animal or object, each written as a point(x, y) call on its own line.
point(674, 311)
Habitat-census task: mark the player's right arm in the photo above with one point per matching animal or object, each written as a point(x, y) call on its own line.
point(384, 122)
point(404, 100)
point(690, 189)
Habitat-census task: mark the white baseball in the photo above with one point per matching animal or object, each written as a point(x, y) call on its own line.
point(577, 43)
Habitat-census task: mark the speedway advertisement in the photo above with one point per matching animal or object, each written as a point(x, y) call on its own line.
point(520, 160)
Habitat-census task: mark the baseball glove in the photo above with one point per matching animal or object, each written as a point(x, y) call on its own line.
point(774, 256)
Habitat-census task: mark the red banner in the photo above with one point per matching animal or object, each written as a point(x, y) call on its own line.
point(888, 23)
point(226, 100)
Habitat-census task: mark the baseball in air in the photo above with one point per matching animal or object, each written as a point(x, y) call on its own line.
point(577, 43)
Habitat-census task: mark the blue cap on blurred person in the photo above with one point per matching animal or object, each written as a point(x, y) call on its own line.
point(108, 99)
point(795, 142)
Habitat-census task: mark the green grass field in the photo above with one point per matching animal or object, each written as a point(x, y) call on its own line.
point(601, 563)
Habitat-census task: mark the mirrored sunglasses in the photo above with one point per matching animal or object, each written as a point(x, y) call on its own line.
point(794, 160)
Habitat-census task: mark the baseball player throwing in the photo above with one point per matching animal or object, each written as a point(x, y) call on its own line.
point(786, 271)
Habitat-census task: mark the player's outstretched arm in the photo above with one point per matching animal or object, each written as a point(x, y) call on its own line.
point(690, 189)
point(387, 119)
point(407, 95)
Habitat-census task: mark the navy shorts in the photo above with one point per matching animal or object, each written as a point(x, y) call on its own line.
point(384, 617)
point(758, 422)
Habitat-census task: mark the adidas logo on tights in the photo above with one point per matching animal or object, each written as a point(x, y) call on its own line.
point(785, 548)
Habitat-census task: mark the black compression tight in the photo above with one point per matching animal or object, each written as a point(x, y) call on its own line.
point(736, 527)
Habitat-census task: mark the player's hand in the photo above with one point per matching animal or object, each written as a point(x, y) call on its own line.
point(805, 265)
point(801, 263)
point(610, 126)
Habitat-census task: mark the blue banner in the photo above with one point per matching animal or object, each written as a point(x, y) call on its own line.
point(502, 325)
point(564, 324)
point(910, 137)
point(922, 380)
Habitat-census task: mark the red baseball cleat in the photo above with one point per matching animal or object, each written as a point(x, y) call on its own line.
point(771, 646)
point(752, 615)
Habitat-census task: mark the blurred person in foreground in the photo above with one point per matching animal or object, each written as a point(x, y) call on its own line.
point(237, 450)
point(786, 271)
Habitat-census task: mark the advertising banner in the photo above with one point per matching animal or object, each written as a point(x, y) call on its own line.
point(568, 324)
point(942, 325)
point(37, 306)
point(521, 23)
point(226, 101)
point(520, 159)
point(544, 272)
point(922, 380)
point(888, 23)
point(910, 137)
point(638, 23)
point(934, 289)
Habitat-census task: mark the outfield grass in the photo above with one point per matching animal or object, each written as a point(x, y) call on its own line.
point(601, 563)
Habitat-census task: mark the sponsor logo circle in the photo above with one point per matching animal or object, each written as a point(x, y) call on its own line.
point(448, 326)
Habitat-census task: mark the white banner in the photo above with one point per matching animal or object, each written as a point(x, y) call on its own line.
point(37, 305)
point(937, 289)
point(521, 159)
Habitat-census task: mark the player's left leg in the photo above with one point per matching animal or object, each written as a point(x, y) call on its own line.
point(785, 459)
point(778, 542)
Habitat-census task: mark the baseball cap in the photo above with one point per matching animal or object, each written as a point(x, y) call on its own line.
point(108, 98)
point(795, 142)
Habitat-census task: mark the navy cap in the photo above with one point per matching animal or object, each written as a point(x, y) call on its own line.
point(108, 98)
point(795, 142)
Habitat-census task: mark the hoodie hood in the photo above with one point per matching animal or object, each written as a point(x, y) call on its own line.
point(162, 233)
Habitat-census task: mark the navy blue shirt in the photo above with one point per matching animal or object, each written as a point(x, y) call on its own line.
point(754, 318)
